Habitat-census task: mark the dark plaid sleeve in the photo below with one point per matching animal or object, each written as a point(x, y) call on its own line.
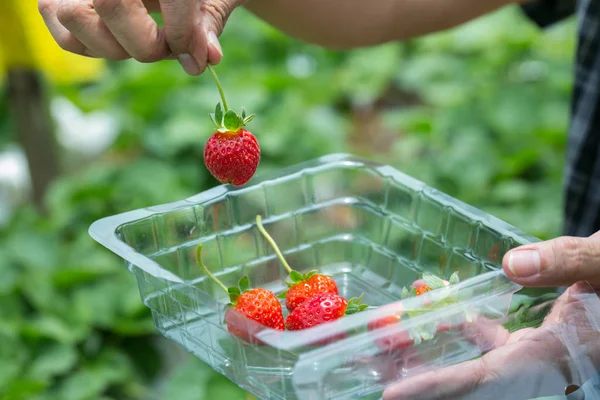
point(548, 12)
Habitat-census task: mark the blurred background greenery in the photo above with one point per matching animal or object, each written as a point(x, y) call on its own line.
point(479, 112)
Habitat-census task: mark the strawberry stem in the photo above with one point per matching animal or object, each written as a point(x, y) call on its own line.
point(218, 82)
point(272, 242)
point(206, 271)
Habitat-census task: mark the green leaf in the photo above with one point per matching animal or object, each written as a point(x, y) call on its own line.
point(219, 387)
point(232, 121)
point(219, 115)
point(417, 338)
point(405, 293)
point(234, 294)
point(54, 328)
point(248, 119)
point(354, 305)
point(454, 279)
point(426, 335)
point(413, 292)
point(433, 281)
point(134, 327)
point(23, 389)
point(296, 276)
point(110, 368)
point(359, 299)
point(283, 294)
point(55, 360)
point(244, 284)
point(188, 381)
point(212, 118)
point(468, 317)
point(310, 274)
point(13, 357)
point(243, 113)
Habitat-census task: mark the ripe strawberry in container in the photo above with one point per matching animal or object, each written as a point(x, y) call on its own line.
point(258, 304)
point(403, 338)
point(322, 309)
point(302, 286)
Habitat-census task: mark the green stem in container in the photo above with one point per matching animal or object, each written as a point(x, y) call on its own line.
point(206, 271)
point(272, 242)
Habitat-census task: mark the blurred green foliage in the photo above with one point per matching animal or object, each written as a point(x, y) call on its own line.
point(479, 112)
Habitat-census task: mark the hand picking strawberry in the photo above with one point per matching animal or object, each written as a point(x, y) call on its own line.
point(232, 153)
point(257, 304)
point(302, 287)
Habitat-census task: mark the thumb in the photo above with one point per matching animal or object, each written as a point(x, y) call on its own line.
point(558, 262)
point(215, 14)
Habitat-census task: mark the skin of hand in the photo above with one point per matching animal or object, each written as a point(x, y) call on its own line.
point(531, 362)
point(348, 24)
point(123, 29)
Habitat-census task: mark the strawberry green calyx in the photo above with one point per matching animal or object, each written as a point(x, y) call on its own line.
point(432, 282)
point(225, 119)
point(296, 277)
point(235, 291)
point(355, 305)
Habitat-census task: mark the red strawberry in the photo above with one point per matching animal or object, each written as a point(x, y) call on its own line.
point(302, 287)
point(322, 309)
point(259, 305)
point(393, 341)
point(256, 304)
point(232, 153)
point(423, 289)
point(233, 156)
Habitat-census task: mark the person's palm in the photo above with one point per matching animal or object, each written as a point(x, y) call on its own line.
point(525, 364)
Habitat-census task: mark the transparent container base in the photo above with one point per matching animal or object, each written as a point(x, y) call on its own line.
point(372, 228)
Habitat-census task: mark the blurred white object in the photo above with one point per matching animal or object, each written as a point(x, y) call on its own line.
point(301, 65)
point(15, 183)
point(87, 134)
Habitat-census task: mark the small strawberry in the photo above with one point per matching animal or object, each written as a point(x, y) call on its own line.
point(402, 339)
point(322, 309)
point(393, 341)
point(302, 286)
point(232, 153)
point(423, 289)
point(257, 304)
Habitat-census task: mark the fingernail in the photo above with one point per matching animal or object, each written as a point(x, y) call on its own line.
point(188, 64)
point(524, 263)
point(214, 41)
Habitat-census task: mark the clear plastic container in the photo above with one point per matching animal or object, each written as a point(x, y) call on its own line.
point(371, 227)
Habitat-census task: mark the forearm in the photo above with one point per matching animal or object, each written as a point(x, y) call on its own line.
point(358, 23)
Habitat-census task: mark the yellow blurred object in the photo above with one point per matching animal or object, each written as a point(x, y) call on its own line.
point(25, 42)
